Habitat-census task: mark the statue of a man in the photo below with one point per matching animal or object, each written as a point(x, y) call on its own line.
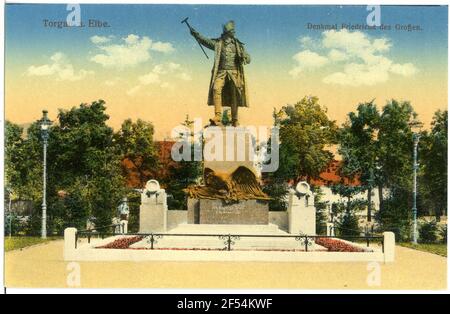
point(227, 87)
point(123, 209)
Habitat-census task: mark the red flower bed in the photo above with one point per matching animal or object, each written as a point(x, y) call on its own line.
point(122, 243)
point(335, 245)
point(213, 249)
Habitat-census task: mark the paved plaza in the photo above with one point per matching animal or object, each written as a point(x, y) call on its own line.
point(43, 266)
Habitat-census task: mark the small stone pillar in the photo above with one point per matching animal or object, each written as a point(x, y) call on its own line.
point(389, 247)
point(153, 209)
point(69, 243)
point(301, 210)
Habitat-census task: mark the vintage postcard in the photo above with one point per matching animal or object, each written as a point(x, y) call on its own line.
point(217, 146)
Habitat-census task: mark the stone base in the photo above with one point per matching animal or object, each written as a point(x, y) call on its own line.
point(245, 212)
point(228, 148)
point(153, 218)
point(269, 229)
point(153, 209)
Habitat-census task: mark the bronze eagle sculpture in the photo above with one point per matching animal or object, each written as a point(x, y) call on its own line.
point(242, 184)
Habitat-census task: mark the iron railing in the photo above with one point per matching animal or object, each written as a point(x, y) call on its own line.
point(229, 240)
point(364, 232)
point(99, 232)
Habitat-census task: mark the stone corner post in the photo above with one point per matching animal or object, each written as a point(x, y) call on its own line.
point(70, 235)
point(389, 247)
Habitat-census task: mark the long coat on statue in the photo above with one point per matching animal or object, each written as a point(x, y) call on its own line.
point(239, 86)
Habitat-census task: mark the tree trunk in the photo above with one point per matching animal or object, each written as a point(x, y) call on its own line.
point(380, 196)
point(369, 204)
point(437, 213)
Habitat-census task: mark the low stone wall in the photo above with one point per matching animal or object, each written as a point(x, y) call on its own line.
point(244, 212)
point(176, 217)
point(279, 218)
point(88, 252)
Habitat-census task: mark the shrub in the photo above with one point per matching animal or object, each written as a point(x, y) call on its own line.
point(278, 192)
point(443, 234)
point(13, 224)
point(348, 225)
point(428, 232)
point(321, 211)
point(33, 225)
point(396, 216)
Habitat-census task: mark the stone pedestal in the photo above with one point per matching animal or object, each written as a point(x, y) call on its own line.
point(153, 209)
point(228, 148)
point(193, 213)
point(301, 210)
point(245, 212)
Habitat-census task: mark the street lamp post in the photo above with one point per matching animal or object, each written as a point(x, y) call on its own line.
point(416, 138)
point(44, 123)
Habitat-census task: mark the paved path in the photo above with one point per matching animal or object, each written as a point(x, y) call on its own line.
point(43, 266)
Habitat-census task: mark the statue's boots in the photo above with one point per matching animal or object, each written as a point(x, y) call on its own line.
point(217, 120)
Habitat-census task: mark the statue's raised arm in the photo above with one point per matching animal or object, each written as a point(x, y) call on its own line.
point(207, 42)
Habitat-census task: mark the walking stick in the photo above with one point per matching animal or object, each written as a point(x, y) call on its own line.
point(190, 28)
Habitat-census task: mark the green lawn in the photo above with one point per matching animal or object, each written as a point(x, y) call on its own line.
point(16, 243)
point(439, 249)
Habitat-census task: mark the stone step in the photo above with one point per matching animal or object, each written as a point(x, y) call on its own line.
point(227, 229)
point(243, 243)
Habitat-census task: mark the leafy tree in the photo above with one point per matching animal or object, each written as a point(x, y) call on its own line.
point(348, 225)
point(428, 232)
point(13, 148)
point(134, 202)
point(305, 132)
point(183, 173)
point(278, 191)
point(13, 224)
point(433, 156)
point(347, 221)
point(136, 145)
point(348, 192)
point(85, 162)
point(23, 162)
point(443, 233)
point(396, 143)
point(395, 215)
point(395, 139)
point(359, 148)
point(23, 169)
point(321, 211)
point(69, 208)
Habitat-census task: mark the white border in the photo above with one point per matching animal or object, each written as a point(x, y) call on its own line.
point(2, 140)
point(185, 291)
